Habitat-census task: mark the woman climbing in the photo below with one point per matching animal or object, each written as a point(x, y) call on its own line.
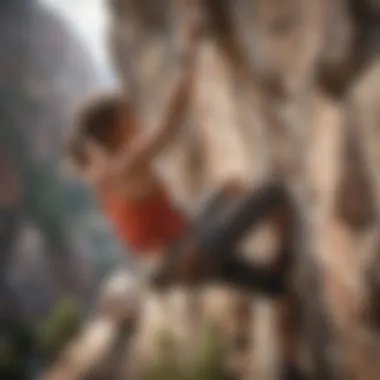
point(111, 151)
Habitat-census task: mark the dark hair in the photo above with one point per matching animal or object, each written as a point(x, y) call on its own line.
point(96, 121)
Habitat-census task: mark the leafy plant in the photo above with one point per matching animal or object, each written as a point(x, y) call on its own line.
point(63, 323)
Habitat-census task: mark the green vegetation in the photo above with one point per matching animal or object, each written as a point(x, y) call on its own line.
point(60, 326)
point(17, 347)
point(207, 364)
point(22, 348)
point(166, 366)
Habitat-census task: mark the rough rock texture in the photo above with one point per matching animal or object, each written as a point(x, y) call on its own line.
point(286, 87)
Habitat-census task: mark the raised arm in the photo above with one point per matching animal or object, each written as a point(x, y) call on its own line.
point(150, 145)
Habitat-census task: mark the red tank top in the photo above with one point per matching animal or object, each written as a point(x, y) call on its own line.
point(145, 225)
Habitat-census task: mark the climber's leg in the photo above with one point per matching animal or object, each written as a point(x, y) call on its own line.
point(267, 280)
point(235, 272)
point(219, 201)
point(217, 240)
point(211, 208)
point(245, 275)
point(214, 203)
point(204, 251)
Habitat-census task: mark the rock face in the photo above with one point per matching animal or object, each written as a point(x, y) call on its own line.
point(280, 88)
point(45, 72)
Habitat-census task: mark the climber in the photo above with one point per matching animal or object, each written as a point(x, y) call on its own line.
point(115, 157)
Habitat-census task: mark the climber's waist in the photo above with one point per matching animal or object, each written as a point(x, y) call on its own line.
point(145, 226)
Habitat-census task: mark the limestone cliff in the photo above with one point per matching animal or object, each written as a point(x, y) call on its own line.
point(274, 83)
point(286, 87)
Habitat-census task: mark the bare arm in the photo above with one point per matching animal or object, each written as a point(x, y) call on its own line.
point(150, 145)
